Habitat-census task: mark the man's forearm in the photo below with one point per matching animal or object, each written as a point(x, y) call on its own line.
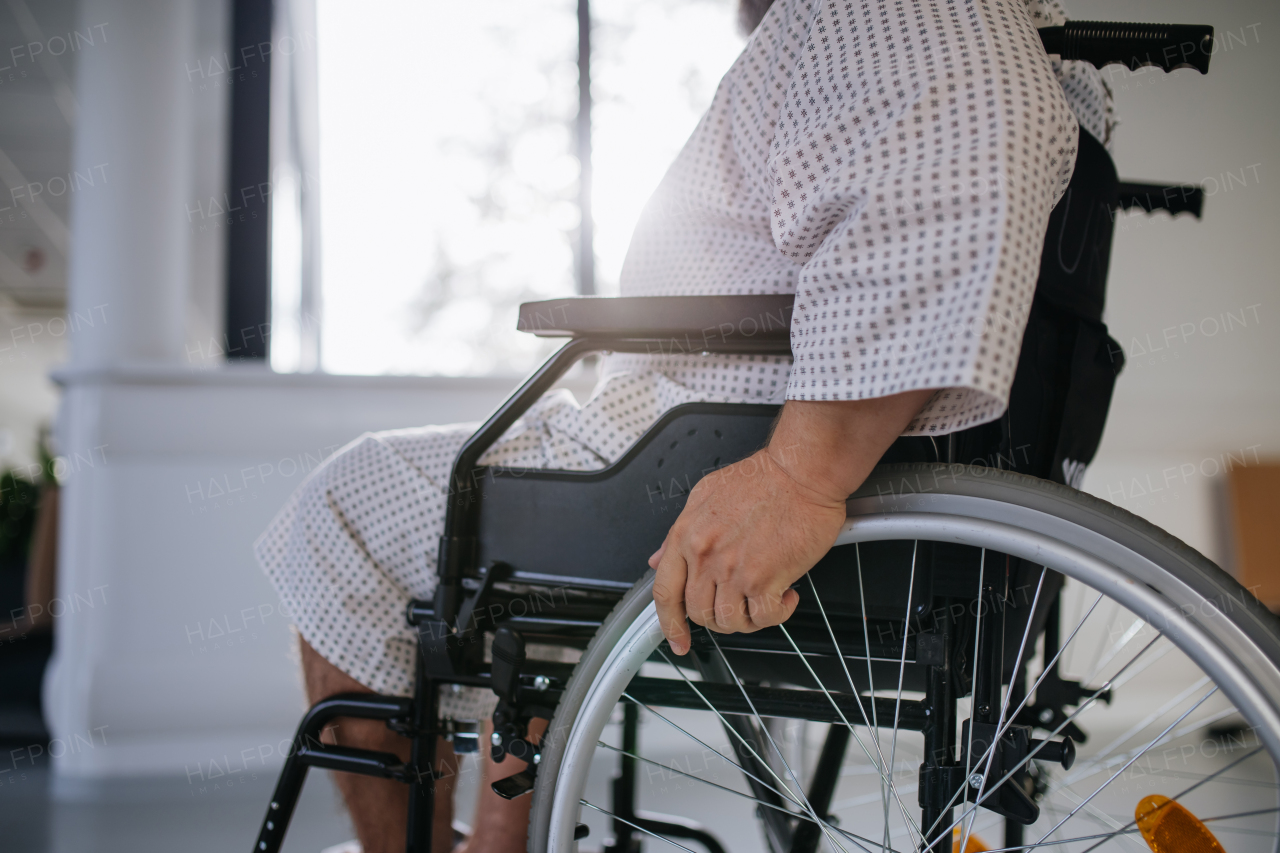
point(831, 447)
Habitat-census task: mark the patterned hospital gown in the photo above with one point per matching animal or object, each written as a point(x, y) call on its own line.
point(893, 164)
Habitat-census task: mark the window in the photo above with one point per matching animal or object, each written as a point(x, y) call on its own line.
point(449, 167)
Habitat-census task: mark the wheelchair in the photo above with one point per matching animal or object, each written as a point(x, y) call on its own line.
point(985, 649)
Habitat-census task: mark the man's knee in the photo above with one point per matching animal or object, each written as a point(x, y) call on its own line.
point(322, 678)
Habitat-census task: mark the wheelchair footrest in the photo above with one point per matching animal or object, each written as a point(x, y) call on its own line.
point(309, 751)
point(366, 762)
point(514, 786)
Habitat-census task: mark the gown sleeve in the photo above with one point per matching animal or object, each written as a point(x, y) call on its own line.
point(917, 154)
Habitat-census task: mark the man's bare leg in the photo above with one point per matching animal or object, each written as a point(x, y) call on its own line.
point(379, 807)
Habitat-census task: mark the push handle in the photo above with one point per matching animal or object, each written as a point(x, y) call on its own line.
point(1166, 46)
point(1178, 198)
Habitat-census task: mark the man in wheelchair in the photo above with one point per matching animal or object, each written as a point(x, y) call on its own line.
point(886, 170)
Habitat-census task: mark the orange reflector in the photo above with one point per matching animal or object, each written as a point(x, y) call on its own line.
point(1169, 828)
point(973, 845)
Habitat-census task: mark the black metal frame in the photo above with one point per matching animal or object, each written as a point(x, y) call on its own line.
point(248, 248)
point(309, 751)
point(452, 626)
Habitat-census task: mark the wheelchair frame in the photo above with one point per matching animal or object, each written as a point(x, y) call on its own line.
point(473, 588)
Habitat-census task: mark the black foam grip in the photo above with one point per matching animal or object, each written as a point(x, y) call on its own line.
point(1165, 46)
point(1175, 198)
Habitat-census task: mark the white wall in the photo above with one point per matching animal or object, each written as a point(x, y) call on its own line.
point(1199, 384)
point(173, 475)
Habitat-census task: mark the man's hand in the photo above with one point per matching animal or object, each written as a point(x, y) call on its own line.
point(752, 529)
point(747, 533)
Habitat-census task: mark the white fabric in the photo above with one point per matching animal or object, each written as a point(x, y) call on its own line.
point(892, 163)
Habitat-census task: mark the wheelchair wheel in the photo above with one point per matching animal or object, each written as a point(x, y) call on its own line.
point(1063, 663)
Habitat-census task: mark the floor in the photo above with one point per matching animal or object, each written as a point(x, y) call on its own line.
point(162, 816)
point(152, 816)
point(168, 815)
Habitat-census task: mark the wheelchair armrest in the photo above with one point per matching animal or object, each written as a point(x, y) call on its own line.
point(712, 320)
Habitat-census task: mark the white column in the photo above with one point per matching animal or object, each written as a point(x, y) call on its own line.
point(127, 295)
point(128, 264)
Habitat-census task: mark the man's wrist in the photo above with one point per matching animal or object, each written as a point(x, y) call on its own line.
point(811, 478)
point(830, 447)
point(816, 452)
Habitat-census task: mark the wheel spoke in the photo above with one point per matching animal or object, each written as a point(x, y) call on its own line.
point(968, 753)
point(853, 688)
point(871, 683)
point(1117, 682)
point(1027, 759)
point(712, 708)
point(785, 795)
point(1115, 775)
point(1098, 763)
point(1117, 647)
point(1188, 790)
point(902, 668)
point(1104, 820)
point(697, 778)
point(742, 794)
point(791, 795)
point(1207, 721)
point(866, 641)
point(867, 799)
point(1113, 610)
point(885, 780)
point(760, 723)
point(1253, 813)
point(1104, 837)
point(1225, 780)
point(1110, 748)
point(1095, 765)
point(799, 798)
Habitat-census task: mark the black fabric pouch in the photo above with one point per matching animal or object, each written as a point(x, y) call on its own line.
point(1068, 364)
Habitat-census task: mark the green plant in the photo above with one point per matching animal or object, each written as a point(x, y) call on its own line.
point(18, 498)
